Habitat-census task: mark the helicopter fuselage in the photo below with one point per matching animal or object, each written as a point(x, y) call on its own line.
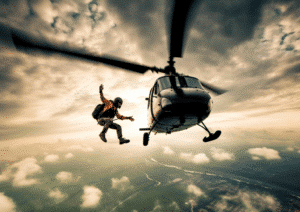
point(177, 103)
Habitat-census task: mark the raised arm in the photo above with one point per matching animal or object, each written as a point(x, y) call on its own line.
point(103, 99)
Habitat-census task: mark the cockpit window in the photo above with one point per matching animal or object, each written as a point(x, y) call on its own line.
point(180, 81)
point(192, 82)
point(165, 83)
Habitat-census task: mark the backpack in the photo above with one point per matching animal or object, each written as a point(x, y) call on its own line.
point(98, 109)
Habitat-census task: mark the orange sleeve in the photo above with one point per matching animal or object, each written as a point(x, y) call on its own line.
point(103, 99)
point(108, 104)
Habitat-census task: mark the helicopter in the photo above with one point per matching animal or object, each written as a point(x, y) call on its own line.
point(176, 102)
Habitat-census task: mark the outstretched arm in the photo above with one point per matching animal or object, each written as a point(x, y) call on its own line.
point(124, 117)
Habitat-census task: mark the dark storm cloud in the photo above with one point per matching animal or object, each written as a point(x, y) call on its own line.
point(144, 21)
point(9, 81)
point(226, 24)
point(95, 15)
point(293, 72)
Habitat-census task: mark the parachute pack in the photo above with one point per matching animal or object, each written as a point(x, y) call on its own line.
point(98, 109)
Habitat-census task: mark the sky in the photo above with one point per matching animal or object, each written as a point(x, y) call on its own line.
point(251, 49)
point(248, 48)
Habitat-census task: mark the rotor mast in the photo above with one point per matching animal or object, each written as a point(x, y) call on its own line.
point(170, 69)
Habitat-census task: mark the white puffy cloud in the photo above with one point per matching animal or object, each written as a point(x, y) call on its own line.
point(7, 204)
point(20, 172)
point(267, 153)
point(69, 155)
point(91, 197)
point(198, 158)
point(168, 150)
point(51, 158)
point(121, 184)
point(194, 190)
point(56, 194)
point(66, 177)
point(249, 201)
point(221, 155)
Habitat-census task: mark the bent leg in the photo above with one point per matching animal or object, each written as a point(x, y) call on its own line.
point(105, 122)
point(117, 127)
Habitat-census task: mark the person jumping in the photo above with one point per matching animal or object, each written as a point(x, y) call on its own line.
point(107, 115)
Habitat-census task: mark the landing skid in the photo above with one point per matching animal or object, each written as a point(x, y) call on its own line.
point(212, 136)
point(146, 135)
point(146, 138)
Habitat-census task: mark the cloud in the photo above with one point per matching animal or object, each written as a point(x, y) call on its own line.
point(21, 171)
point(221, 155)
point(176, 180)
point(69, 155)
point(66, 177)
point(248, 201)
point(195, 190)
point(168, 150)
point(255, 158)
point(56, 194)
point(51, 158)
point(7, 204)
point(44, 9)
point(200, 158)
point(121, 184)
point(269, 154)
point(91, 197)
point(290, 149)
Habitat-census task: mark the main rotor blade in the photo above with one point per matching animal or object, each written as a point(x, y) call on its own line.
point(25, 42)
point(213, 88)
point(180, 24)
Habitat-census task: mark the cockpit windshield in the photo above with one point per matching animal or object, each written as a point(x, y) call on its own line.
point(179, 81)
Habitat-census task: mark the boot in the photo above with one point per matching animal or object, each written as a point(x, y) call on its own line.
point(102, 136)
point(124, 140)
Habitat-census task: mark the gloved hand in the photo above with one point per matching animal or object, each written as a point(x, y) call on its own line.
point(101, 87)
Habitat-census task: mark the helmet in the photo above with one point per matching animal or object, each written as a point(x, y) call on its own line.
point(117, 101)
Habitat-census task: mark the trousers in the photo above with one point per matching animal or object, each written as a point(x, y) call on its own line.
point(108, 123)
